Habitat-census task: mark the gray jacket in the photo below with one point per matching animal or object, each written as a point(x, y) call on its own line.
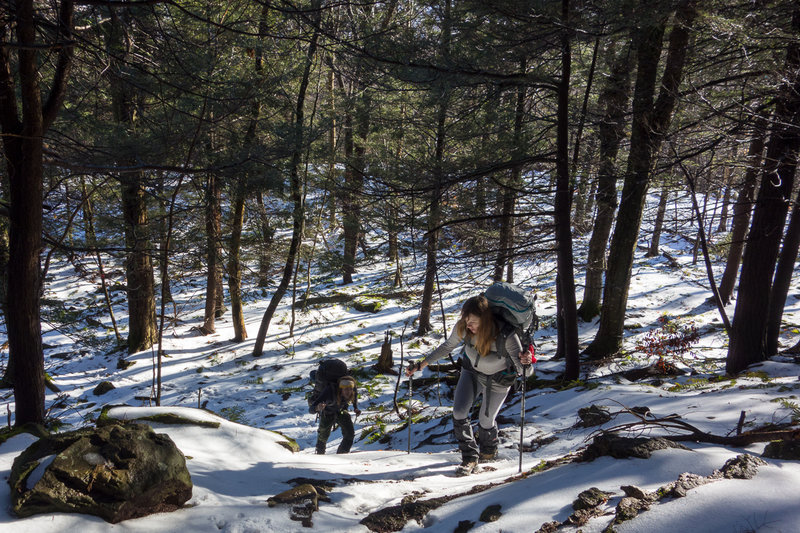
point(489, 364)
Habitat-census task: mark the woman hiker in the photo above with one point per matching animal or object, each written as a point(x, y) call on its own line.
point(484, 370)
point(332, 407)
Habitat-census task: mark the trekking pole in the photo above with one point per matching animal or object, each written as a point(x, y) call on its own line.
point(522, 417)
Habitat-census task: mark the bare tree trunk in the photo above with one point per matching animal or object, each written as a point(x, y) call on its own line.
point(138, 266)
point(7, 381)
point(726, 197)
point(265, 245)
point(22, 138)
point(350, 222)
point(140, 286)
point(298, 214)
point(434, 211)
point(235, 267)
point(509, 193)
point(563, 211)
point(748, 337)
point(212, 253)
point(583, 179)
point(783, 278)
point(742, 209)
point(434, 217)
point(614, 102)
point(658, 225)
point(650, 124)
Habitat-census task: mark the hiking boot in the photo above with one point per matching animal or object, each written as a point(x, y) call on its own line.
point(466, 467)
point(487, 457)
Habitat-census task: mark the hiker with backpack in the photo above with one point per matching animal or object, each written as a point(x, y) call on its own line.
point(334, 391)
point(492, 358)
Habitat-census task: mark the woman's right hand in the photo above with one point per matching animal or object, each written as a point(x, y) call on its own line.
point(413, 367)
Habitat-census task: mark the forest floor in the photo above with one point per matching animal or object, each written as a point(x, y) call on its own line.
point(385, 483)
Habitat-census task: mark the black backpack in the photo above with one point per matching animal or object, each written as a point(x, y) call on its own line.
point(327, 373)
point(515, 309)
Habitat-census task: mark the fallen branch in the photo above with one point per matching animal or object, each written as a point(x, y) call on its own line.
point(673, 422)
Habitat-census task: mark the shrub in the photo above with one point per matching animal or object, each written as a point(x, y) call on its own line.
point(670, 342)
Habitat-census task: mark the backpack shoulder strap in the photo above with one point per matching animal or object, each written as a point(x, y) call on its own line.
point(505, 331)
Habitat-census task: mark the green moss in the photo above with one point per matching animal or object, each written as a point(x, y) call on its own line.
point(289, 443)
point(171, 418)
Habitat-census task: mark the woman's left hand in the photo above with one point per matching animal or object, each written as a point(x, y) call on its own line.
point(525, 358)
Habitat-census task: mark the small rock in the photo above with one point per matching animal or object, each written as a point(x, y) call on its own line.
point(744, 466)
point(590, 498)
point(491, 513)
point(549, 527)
point(297, 495)
point(685, 482)
point(593, 416)
point(464, 526)
point(103, 387)
point(581, 517)
point(635, 492)
point(628, 508)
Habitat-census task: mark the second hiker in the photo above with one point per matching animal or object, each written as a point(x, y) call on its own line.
point(332, 406)
point(486, 369)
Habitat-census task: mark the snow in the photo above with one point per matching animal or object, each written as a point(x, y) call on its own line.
point(236, 467)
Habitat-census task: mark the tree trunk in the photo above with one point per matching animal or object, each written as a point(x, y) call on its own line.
point(434, 213)
point(212, 253)
point(20, 77)
point(235, 267)
point(434, 216)
point(7, 380)
point(507, 197)
point(783, 278)
point(614, 102)
point(659, 222)
point(350, 222)
point(509, 193)
point(650, 123)
point(264, 245)
point(748, 337)
point(742, 209)
point(726, 197)
point(563, 211)
point(298, 213)
point(140, 285)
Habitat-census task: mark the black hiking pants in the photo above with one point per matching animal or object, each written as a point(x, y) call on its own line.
point(326, 421)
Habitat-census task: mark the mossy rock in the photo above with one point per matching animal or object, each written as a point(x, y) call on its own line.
point(289, 443)
point(367, 305)
point(103, 387)
point(623, 447)
point(491, 513)
point(172, 418)
point(118, 471)
point(783, 449)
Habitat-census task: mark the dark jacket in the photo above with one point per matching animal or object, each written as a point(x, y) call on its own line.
point(333, 403)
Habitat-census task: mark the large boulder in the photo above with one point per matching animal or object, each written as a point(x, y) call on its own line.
point(116, 472)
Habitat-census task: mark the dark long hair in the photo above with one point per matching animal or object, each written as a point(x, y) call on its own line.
point(487, 330)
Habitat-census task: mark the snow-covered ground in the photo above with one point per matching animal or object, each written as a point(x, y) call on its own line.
point(238, 466)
